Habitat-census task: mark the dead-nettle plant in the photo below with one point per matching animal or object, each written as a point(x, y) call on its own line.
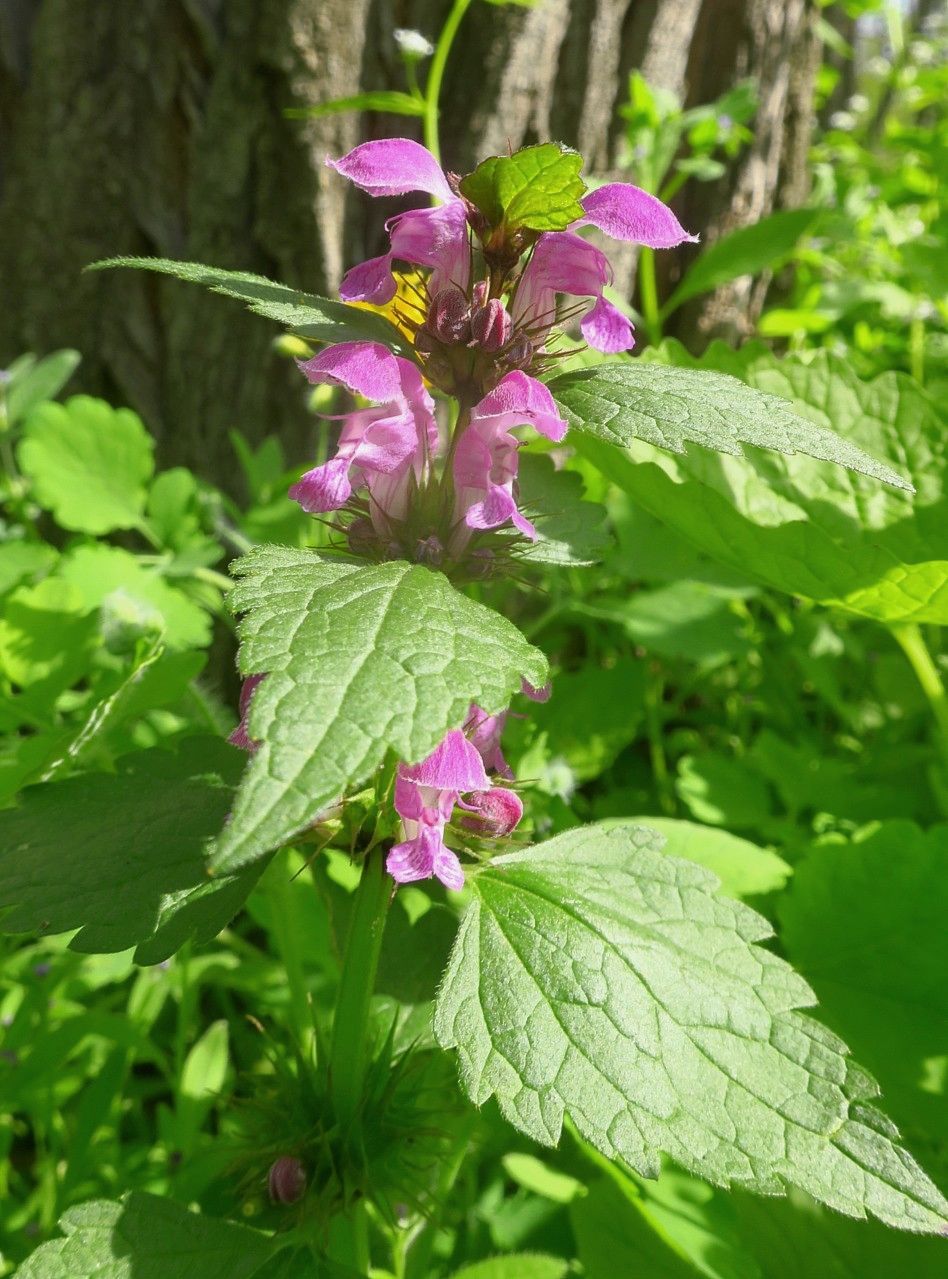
point(593, 980)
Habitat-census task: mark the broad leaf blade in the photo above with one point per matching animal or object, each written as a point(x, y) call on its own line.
point(314, 317)
point(538, 188)
point(145, 1237)
point(122, 858)
point(570, 530)
point(89, 463)
point(359, 662)
point(879, 965)
point(595, 978)
point(673, 407)
point(795, 524)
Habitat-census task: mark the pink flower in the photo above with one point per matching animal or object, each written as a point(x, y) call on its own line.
point(484, 733)
point(425, 797)
point(436, 238)
point(485, 459)
point(383, 449)
point(563, 262)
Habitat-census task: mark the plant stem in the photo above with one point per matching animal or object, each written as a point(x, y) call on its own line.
point(648, 293)
point(436, 75)
point(910, 640)
point(349, 1051)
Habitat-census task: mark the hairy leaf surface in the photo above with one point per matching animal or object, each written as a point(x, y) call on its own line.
point(799, 526)
point(673, 407)
point(305, 313)
point(597, 979)
point(359, 662)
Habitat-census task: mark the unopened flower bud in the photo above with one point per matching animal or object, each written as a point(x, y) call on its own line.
point(449, 317)
point(286, 1180)
point(362, 536)
point(491, 326)
point(519, 353)
point(430, 550)
point(492, 813)
point(480, 291)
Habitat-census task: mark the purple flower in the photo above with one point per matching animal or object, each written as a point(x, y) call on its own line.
point(435, 238)
point(383, 449)
point(484, 733)
point(492, 813)
point(562, 262)
point(485, 459)
point(425, 797)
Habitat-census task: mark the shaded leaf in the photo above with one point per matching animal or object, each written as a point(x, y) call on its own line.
point(570, 530)
point(145, 1237)
point(121, 858)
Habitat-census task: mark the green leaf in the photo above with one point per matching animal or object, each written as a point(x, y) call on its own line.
point(389, 101)
point(305, 313)
point(673, 1228)
point(747, 251)
point(570, 530)
point(593, 715)
point(99, 572)
point(722, 791)
point(44, 637)
point(121, 857)
point(595, 978)
point(878, 965)
point(202, 1078)
point(40, 381)
point(89, 463)
point(795, 1237)
point(515, 1265)
point(537, 187)
point(21, 559)
point(743, 869)
point(672, 407)
point(145, 1237)
point(692, 620)
point(799, 526)
point(361, 661)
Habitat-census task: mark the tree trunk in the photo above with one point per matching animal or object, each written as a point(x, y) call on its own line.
point(156, 128)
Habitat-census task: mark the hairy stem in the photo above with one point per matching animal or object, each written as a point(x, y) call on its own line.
point(349, 1051)
point(436, 75)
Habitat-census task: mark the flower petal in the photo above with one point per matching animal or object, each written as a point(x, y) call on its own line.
point(447, 868)
point(625, 212)
point(519, 400)
point(607, 329)
point(325, 488)
point(436, 238)
point(453, 765)
point(240, 737)
point(370, 281)
point(415, 858)
point(366, 368)
point(393, 166)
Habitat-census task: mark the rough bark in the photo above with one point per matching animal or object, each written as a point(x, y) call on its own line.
point(157, 128)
